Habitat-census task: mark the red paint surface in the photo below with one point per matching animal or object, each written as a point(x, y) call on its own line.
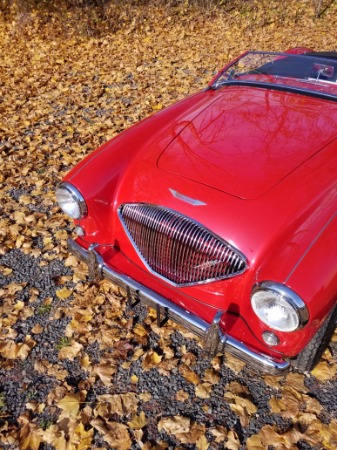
point(265, 164)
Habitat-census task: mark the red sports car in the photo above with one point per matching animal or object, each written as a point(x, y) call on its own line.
point(220, 211)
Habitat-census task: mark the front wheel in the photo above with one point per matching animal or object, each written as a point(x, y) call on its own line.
point(312, 353)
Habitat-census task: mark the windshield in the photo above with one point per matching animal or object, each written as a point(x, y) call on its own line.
point(310, 71)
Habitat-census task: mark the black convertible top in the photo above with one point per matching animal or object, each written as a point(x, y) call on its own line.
point(328, 55)
point(296, 66)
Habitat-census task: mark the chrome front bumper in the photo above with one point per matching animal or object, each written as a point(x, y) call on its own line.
point(215, 339)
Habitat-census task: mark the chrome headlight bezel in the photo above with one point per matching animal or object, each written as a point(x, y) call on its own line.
point(280, 296)
point(74, 197)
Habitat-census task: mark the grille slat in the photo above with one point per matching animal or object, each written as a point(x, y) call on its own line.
point(177, 248)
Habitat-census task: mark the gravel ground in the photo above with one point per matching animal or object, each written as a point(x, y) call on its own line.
point(21, 383)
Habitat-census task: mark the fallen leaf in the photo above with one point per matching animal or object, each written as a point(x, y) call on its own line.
point(202, 443)
point(122, 348)
point(182, 396)
point(134, 378)
point(70, 352)
point(70, 405)
point(233, 442)
point(203, 390)
point(80, 438)
point(296, 381)
point(37, 329)
point(324, 371)
point(211, 376)
point(115, 434)
point(234, 363)
point(105, 372)
point(140, 330)
point(63, 293)
point(151, 359)
point(220, 433)
point(189, 375)
point(145, 396)
point(12, 350)
point(138, 422)
point(121, 404)
point(174, 425)
point(30, 437)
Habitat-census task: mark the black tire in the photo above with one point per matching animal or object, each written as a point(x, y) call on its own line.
point(312, 353)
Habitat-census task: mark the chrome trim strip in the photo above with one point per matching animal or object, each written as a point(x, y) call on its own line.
point(184, 198)
point(183, 317)
point(276, 87)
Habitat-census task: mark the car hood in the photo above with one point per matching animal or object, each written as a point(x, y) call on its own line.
point(250, 139)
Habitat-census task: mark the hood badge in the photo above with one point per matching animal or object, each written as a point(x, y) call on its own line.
point(184, 198)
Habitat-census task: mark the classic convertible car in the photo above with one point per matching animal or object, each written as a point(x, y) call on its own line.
point(221, 211)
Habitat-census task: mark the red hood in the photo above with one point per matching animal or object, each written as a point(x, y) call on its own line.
point(250, 139)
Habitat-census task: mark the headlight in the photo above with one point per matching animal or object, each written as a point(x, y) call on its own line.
point(71, 201)
point(279, 307)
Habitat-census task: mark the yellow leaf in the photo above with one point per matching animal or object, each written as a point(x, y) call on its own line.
point(324, 371)
point(63, 293)
point(254, 443)
point(82, 439)
point(138, 422)
point(70, 352)
point(277, 405)
point(157, 107)
point(203, 390)
point(85, 361)
point(211, 376)
point(9, 349)
point(12, 350)
point(71, 261)
point(56, 438)
point(233, 442)
point(151, 359)
point(273, 381)
point(202, 443)
point(145, 396)
point(234, 363)
point(134, 378)
point(19, 305)
point(30, 438)
point(156, 358)
point(140, 330)
point(189, 375)
point(70, 405)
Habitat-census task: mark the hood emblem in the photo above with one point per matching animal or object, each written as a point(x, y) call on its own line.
point(184, 198)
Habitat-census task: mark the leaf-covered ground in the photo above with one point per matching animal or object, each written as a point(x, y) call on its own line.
point(77, 369)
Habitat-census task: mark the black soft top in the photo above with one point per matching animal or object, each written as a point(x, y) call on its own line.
point(300, 66)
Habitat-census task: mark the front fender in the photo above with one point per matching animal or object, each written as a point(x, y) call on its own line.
point(314, 276)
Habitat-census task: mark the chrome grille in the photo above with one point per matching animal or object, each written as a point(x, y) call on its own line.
point(177, 248)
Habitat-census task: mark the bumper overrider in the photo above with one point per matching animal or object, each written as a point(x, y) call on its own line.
point(215, 340)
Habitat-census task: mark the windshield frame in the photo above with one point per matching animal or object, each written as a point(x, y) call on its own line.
point(312, 86)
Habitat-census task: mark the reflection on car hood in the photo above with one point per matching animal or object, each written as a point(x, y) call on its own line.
point(250, 139)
